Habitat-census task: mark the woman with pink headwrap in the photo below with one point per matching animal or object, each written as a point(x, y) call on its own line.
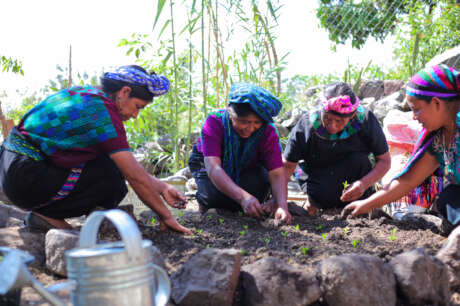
point(332, 148)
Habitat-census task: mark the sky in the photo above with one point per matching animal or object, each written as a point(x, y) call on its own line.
point(39, 34)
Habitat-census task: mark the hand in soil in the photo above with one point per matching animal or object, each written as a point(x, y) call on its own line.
point(353, 192)
point(252, 208)
point(283, 215)
point(171, 223)
point(356, 208)
point(312, 210)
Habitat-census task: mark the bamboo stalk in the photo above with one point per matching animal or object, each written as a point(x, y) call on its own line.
point(205, 111)
point(176, 130)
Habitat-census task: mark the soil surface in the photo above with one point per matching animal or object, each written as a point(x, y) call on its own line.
point(306, 242)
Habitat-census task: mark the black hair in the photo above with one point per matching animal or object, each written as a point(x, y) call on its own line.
point(340, 89)
point(110, 86)
point(243, 109)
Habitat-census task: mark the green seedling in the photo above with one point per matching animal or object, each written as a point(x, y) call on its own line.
point(181, 223)
point(284, 234)
point(153, 221)
point(242, 233)
point(297, 227)
point(207, 246)
point(304, 250)
point(323, 236)
point(199, 231)
point(242, 252)
point(319, 227)
point(346, 230)
point(245, 227)
point(392, 234)
point(221, 220)
point(355, 243)
point(267, 240)
point(209, 217)
point(345, 185)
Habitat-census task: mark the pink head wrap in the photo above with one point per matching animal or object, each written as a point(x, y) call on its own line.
point(340, 104)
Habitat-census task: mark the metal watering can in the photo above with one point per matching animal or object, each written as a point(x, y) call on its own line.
point(114, 273)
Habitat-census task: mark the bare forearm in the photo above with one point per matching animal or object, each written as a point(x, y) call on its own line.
point(380, 169)
point(391, 192)
point(278, 185)
point(226, 185)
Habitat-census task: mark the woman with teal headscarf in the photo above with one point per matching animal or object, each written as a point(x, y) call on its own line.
point(433, 94)
point(237, 158)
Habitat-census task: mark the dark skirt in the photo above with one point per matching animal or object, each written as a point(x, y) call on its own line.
point(448, 204)
point(29, 184)
point(254, 181)
point(324, 186)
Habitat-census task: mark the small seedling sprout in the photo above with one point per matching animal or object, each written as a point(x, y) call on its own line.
point(243, 252)
point(181, 223)
point(284, 234)
point(355, 243)
point(345, 185)
point(245, 227)
point(267, 240)
point(346, 230)
point(323, 236)
point(242, 233)
point(319, 227)
point(304, 250)
point(207, 246)
point(392, 234)
point(181, 213)
point(221, 220)
point(297, 227)
point(153, 221)
point(209, 217)
point(199, 231)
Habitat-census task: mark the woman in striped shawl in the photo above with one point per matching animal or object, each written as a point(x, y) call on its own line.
point(433, 94)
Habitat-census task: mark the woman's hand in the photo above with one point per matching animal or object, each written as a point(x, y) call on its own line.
point(251, 207)
point(173, 197)
point(353, 192)
point(171, 223)
point(283, 215)
point(356, 208)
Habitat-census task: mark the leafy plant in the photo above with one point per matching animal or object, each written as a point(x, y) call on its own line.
point(207, 246)
point(323, 236)
point(153, 221)
point(221, 220)
point(346, 230)
point(242, 233)
point(319, 227)
point(243, 252)
point(304, 250)
point(345, 185)
point(181, 214)
point(245, 227)
point(209, 217)
point(284, 234)
point(392, 234)
point(355, 243)
point(267, 240)
point(297, 228)
point(199, 231)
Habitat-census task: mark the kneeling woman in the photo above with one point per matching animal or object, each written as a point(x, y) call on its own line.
point(333, 146)
point(433, 94)
point(238, 156)
point(69, 154)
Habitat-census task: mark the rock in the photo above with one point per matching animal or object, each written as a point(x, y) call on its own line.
point(208, 278)
point(449, 57)
point(296, 114)
point(423, 220)
point(368, 102)
point(21, 238)
point(57, 242)
point(421, 279)
point(373, 88)
point(391, 86)
point(357, 280)
point(12, 211)
point(185, 172)
point(270, 281)
point(383, 106)
point(191, 185)
point(282, 130)
point(449, 254)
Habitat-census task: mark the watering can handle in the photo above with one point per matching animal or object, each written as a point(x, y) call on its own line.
point(125, 225)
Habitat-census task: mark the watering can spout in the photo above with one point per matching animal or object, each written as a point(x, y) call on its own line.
point(15, 275)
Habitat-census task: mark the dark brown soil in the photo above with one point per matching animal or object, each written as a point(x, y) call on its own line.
point(306, 242)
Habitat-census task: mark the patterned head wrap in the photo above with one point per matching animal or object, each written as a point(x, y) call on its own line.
point(261, 101)
point(340, 104)
point(438, 81)
point(156, 85)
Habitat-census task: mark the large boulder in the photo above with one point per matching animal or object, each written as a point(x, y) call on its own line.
point(352, 279)
point(392, 86)
point(449, 254)
point(57, 242)
point(270, 282)
point(208, 278)
point(449, 57)
point(372, 88)
point(421, 278)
